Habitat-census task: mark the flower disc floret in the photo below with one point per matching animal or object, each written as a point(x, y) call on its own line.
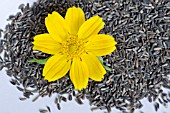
point(73, 47)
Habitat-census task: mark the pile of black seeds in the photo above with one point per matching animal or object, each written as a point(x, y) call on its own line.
point(140, 65)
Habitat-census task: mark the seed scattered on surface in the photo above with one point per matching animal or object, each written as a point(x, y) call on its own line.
point(21, 98)
point(58, 106)
point(79, 101)
point(140, 65)
point(49, 110)
point(70, 97)
point(1, 32)
point(156, 106)
point(43, 111)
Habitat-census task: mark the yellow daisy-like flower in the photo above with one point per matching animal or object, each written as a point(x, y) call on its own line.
point(74, 44)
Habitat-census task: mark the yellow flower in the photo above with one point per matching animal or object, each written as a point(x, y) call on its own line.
point(74, 44)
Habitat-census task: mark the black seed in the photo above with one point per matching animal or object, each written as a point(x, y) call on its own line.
point(43, 111)
point(49, 109)
point(160, 100)
point(35, 98)
point(79, 101)
point(149, 99)
point(63, 98)
point(70, 97)
point(20, 89)
point(21, 6)
point(56, 100)
point(21, 98)
point(58, 106)
point(139, 64)
point(156, 106)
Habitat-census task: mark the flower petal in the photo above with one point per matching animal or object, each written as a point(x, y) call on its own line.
point(90, 27)
point(79, 73)
point(46, 44)
point(101, 45)
point(75, 18)
point(56, 67)
point(56, 26)
point(96, 70)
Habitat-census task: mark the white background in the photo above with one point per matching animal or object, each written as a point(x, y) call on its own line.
point(9, 95)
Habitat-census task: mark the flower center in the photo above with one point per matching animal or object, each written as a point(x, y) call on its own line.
point(73, 47)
